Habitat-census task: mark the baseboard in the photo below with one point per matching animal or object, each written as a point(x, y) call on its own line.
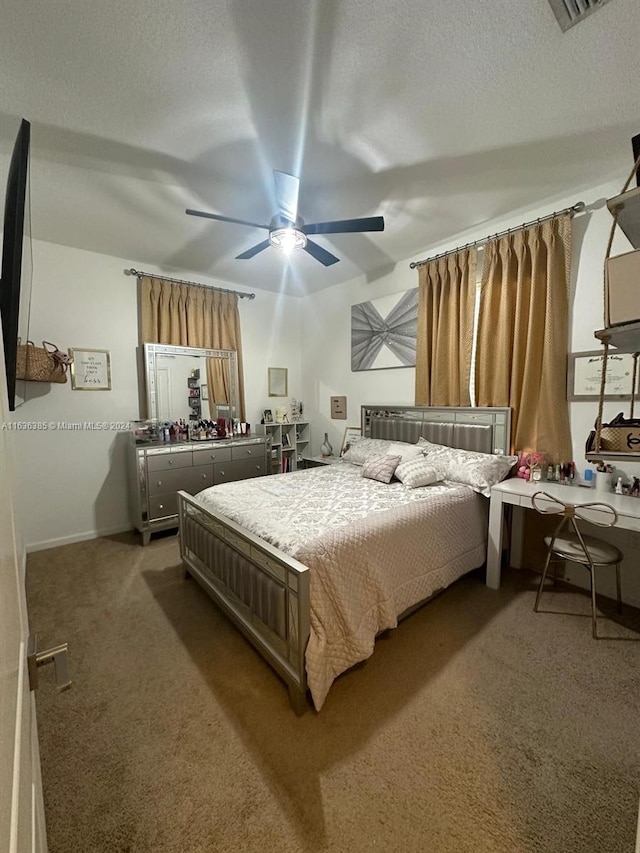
point(71, 540)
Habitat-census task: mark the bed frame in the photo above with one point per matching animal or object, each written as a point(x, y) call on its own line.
point(264, 591)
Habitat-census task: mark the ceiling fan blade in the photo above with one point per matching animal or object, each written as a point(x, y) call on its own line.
point(287, 188)
point(320, 254)
point(345, 226)
point(224, 218)
point(259, 247)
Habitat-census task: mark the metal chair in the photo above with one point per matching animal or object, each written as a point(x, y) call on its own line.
point(590, 551)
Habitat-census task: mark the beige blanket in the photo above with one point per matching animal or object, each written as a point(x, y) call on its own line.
point(373, 549)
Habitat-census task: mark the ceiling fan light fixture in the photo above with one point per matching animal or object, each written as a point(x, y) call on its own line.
point(287, 239)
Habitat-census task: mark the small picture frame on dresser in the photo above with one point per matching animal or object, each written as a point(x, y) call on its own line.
point(267, 416)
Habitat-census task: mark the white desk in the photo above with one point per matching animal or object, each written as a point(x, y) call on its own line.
point(518, 493)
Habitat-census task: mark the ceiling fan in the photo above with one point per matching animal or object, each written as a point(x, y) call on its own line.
point(288, 231)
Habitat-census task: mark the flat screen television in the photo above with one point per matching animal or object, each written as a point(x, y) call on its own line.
point(12, 243)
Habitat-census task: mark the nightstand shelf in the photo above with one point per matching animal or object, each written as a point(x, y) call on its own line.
point(288, 442)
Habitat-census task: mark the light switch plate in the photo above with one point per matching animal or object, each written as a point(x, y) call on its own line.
point(339, 408)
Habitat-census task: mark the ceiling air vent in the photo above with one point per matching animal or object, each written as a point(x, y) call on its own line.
point(570, 12)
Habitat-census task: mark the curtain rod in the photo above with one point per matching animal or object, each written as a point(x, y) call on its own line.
point(578, 207)
point(239, 293)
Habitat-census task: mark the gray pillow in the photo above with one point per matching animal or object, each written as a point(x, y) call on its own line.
point(381, 468)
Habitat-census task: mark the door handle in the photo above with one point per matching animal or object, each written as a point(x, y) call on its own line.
point(58, 656)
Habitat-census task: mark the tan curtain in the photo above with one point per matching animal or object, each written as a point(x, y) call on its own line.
point(190, 316)
point(446, 302)
point(521, 358)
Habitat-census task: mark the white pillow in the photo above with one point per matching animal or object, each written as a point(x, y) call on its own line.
point(427, 446)
point(380, 468)
point(405, 450)
point(481, 471)
point(417, 472)
point(364, 449)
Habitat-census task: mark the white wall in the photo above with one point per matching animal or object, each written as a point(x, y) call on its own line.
point(326, 360)
point(73, 484)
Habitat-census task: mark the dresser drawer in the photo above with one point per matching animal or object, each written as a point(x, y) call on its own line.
point(161, 506)
point(167, 461)
point(241, 470)
point(197, 479)
point(247, 451)
point(190, 480)
point(213, 454)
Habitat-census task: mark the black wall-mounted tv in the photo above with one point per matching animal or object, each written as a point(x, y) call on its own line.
point(13, 236)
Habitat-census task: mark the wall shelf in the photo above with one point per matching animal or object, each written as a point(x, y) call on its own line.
point(624, 337)
point(629, 214)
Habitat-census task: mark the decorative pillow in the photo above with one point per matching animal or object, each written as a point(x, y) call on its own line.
point(417, 472)
point(364, 449)
point(381, 468)
point(478, 470)
point(405, 450)
point(427, 446)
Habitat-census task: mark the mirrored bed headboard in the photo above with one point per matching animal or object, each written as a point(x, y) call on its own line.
point(178, 382)
point(487, 430)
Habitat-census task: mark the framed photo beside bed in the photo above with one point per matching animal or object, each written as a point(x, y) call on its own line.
point(351, 435)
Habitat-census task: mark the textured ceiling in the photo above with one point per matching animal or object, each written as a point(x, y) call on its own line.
point(438, 115)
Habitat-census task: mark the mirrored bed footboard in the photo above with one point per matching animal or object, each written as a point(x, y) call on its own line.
point(263, 590)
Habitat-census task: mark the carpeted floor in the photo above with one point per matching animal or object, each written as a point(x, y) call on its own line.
point(476, 726)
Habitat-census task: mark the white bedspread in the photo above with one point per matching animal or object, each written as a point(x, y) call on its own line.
point(373, 550)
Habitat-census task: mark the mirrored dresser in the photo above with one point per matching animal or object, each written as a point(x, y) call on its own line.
point(159, 471)
point(189, 385)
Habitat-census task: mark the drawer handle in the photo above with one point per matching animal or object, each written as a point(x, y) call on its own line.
point(249, 452)
point(161, 506)
point(204, 476)
point(159, 483)
point(222, 473)
point(170, 462)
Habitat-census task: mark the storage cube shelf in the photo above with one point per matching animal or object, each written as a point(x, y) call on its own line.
point(289, 443)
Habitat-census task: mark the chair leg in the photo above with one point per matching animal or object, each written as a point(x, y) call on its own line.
point(542, 580)
point(618, 588)
point(592, 578)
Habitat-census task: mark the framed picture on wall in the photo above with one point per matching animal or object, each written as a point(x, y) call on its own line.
point(90, 369)
point(584, 376)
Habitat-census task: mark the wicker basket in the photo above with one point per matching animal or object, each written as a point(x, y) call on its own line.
point(39, 364)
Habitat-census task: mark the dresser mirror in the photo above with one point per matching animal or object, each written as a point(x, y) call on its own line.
point(190, 383)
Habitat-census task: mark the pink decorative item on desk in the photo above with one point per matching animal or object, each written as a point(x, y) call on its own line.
point(528, 463)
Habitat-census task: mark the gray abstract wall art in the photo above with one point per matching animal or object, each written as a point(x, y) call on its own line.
point(384, 331)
